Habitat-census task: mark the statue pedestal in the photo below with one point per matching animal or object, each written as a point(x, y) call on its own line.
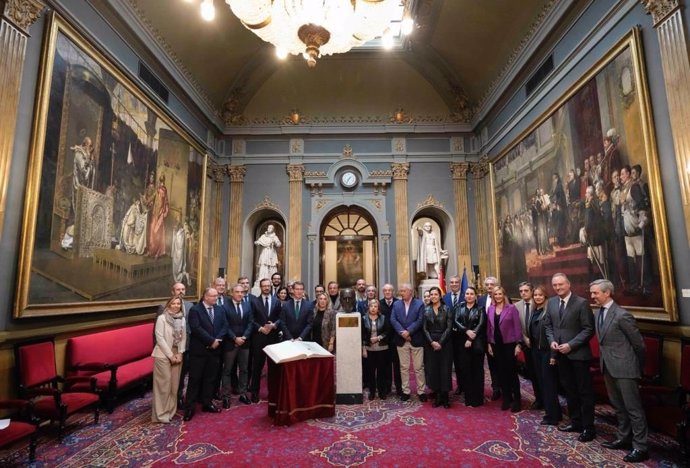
point(425, 285)
point(348, 358)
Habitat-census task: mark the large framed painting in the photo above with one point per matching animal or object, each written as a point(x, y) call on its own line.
point(114, 211)
point(579, 192)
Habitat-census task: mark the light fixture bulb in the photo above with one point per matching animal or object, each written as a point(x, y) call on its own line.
point(407, 25)
point(281, 53)
point(208, 11)
point(387, 40)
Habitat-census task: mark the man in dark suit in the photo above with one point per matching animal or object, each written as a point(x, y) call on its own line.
point(406, 319)
point(297, 315)
point(266, 315)
point(236, 345)
point(452, 300)
point(490, 282)
point(622, 358)
point(569, 325)
point(334, 294)
point(525, 307)
point(386, 308)
point(208, 327)
point(276, 283)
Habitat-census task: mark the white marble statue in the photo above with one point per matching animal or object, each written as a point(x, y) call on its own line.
point(268, 257)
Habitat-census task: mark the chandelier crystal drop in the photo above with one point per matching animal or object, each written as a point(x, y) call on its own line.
point(314, 28)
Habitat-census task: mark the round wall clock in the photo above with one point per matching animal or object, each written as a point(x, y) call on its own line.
point(348, 179)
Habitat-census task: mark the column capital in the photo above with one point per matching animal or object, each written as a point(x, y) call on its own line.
point(21, 13)
point(480, 168)
point(659, 9)
point(460, 170)
point(400, 170)
point(237, 173)
point(296, 172)
point(217, 173)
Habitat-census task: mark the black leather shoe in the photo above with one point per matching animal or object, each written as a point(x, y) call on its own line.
point(536, 406)
point(617, 445)
point(255, 397)
point(188, 415)
point(516, 407)
point(382, 395)
point(210, 409)
point(636, 456)
point(245, 400)
point(422, 397)
point(226, 403)
point(546, 422)
point(569, 428)
point(587, 435)
point(404, 397)
point(372, 396)
point(180, 402)
point(496, 394)
point(437, 402)
point(505, 405)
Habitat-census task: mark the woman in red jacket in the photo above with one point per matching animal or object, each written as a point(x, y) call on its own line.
point(504, 334)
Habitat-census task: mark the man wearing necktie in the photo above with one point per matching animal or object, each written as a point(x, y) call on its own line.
point(569, 325)
point(219, 285)
point(621, 360)
point(525, 307)
point(236, 345)
point(208, 328)
point(452, 300)
point(393, 363)
point(297, 315)
point(266, 320)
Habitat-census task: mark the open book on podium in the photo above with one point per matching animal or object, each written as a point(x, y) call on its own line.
point(288, 351)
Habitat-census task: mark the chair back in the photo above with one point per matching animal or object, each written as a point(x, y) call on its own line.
point(35, 363)
point(685, 365)
point(654, 345)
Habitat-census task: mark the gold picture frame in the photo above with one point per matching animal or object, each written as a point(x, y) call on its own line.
point(114, 203)
point(560, 201)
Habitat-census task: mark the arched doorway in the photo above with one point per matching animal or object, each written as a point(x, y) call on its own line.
point(349, 247)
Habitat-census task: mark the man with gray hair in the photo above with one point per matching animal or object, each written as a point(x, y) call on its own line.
point(406, 319)
point(569, 326)
point(622, 358)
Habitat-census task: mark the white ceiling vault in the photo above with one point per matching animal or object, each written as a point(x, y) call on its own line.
point(461, 60)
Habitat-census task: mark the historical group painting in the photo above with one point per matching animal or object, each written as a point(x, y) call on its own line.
point(114, 199)
point(580, 193)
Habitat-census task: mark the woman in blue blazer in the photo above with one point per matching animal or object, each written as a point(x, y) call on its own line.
point(504, 334)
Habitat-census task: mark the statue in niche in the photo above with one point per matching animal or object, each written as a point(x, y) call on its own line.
point(268, 257)
point(429, 252)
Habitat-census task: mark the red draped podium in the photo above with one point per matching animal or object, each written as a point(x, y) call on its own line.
point(301, 390)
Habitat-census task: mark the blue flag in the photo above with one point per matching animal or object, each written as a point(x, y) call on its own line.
point(463, 282)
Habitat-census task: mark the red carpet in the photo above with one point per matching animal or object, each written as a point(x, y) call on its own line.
point(377, 434)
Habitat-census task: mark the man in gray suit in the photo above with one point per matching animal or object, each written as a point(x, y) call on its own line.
point(569, 325)
point(525, 307)
point(622, 358)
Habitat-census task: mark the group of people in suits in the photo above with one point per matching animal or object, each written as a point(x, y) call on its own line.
point(222, 337)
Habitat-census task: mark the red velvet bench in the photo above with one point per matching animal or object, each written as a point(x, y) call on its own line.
point(118, 359)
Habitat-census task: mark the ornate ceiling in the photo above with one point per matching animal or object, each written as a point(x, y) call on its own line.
point(459, 54)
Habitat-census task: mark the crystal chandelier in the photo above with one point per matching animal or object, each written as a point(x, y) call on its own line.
point(314, 28)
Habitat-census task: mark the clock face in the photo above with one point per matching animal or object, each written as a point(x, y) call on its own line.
point(348, 179)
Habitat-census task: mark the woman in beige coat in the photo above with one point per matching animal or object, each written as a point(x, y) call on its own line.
point(170, 344)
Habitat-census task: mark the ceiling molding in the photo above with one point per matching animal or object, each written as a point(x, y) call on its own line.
point(144, 30)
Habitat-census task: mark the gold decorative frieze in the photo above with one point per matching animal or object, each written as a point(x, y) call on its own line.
point(430, 201)
point(314, 173)
point(659, 9)
point(21, 13)
point(296, 172)
point(400, 170)
point(237, 173)
point(459, 170)
point(267, 204)
point(381, 173)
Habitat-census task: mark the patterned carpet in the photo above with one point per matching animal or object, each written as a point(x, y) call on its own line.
point(377, 434)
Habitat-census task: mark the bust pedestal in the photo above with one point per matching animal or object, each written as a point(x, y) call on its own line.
point(348, 358)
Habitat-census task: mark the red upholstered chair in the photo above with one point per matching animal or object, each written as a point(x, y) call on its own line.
point(18, 431)
point(39, 381)
point(654, 344)
point(598, 383)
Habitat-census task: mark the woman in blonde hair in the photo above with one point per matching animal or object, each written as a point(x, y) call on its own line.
point(171, 338)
